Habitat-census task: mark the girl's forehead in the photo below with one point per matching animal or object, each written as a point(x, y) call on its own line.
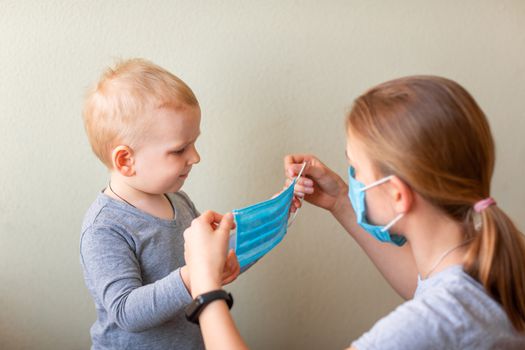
point(357, 155)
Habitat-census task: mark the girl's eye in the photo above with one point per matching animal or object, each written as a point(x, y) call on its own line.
point(180, 151)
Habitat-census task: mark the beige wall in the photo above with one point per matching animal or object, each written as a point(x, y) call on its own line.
point(273, 77)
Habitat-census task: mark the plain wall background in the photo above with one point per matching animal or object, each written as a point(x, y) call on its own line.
point(273, 77)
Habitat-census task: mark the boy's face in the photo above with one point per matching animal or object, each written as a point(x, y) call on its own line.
point(164, 157)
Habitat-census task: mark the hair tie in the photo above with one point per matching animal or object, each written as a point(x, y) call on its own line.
point(484, 204)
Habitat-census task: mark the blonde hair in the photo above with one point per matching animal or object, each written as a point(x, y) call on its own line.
point(116, 108)
point(432, 134)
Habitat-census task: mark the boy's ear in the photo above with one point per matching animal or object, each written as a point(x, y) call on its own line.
point(402, 194)
point(122, 159)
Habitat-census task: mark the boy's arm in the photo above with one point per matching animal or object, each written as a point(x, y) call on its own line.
point(113, 276)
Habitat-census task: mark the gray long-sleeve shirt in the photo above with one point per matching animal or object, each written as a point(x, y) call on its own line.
point(131, 262)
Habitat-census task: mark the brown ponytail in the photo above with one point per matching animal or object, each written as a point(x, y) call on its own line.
point(430, 132)
point(496, 258)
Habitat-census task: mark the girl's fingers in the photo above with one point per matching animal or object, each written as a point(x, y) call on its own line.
point(297, 203)
point(210, 217)
point(304, 181)
point(293, 170)
point(314, 169)
point(304, 189)
point(226, 223)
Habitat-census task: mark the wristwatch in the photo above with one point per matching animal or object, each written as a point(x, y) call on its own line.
point(194, 309)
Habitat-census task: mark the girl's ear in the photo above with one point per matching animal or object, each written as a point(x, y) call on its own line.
point(123, 161)
point(402, 195)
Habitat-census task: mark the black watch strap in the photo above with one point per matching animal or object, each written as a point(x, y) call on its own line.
point(194, 309)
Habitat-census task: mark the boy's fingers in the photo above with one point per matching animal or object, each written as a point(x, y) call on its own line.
point(232, 268)
point(233, 274)
point(230, 259)
point(234, 260)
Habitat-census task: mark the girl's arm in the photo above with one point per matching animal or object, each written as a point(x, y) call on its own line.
point(395, 263)
point(324, 188)
point(218, 328)
point(205, 250)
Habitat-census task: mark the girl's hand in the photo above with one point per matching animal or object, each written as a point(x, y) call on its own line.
point(205, 250)
point(318, 185)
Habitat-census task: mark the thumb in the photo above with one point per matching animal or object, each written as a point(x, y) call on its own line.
point(224, 228)
point(226, 224)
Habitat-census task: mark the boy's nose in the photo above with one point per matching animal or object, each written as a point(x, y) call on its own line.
point(195, 157)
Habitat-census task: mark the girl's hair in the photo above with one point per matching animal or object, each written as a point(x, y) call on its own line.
point(432, 134)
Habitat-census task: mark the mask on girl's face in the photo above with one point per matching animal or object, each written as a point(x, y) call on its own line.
point(356, 192)
point(260, 227)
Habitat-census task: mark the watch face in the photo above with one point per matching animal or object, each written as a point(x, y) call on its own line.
point(192, 309)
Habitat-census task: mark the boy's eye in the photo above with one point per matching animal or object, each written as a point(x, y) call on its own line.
point(179, 151)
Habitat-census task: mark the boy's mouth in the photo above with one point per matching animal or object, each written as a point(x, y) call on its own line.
point(185, 175)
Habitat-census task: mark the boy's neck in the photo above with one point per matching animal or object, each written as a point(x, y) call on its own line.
point(157, 205)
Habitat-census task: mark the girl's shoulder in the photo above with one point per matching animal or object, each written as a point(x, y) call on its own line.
point(449, 311)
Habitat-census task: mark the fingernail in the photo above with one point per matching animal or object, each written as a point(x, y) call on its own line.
point(308, 182)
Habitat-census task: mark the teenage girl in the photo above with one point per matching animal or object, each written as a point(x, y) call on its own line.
point(418, 202)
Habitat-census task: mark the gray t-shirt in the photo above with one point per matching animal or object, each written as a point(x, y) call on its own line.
point(131, 263)
point(449, 311)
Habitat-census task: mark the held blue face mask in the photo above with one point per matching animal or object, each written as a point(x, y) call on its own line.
point(356, 192)
point(260, 227)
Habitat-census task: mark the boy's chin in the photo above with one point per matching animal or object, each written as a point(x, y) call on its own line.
point(177, 186)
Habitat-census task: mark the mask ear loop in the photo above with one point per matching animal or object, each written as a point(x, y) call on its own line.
point(379, 182)
point(393, 222)
point(376, 183)
point(292, 219)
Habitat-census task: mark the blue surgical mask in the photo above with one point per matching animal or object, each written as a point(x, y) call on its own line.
point(260, 227)
point(356, 192)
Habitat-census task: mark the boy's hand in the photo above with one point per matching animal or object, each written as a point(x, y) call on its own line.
point(232, 269)
point(185, 275)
